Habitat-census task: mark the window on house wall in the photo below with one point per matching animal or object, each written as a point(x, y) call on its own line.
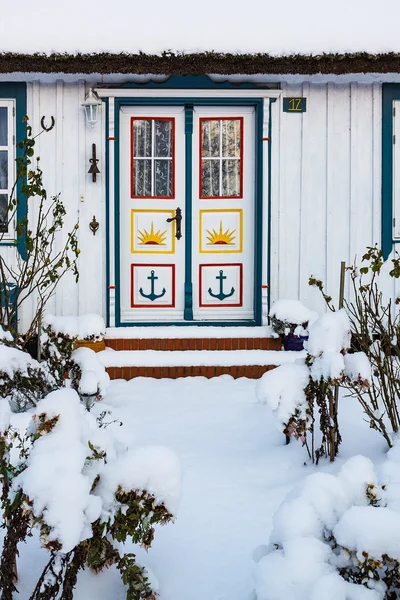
point(7, 163)
point(221, 158)
point(152, 157)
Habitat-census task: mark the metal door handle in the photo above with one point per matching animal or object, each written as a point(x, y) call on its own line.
point(178, 219)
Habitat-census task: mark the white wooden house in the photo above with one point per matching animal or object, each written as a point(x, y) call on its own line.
point(217, 194)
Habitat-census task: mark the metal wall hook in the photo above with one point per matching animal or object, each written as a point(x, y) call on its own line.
point(44, 126)
point(94, 225)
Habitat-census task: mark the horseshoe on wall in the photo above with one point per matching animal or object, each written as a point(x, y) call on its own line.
point(44, 126)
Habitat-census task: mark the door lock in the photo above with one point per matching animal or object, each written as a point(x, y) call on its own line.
point(178, 219)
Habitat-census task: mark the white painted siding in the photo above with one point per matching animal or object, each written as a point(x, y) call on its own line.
point(326, 186)
point(64, 154)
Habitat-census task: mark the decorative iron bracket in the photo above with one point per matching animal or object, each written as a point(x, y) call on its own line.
point(94, 170)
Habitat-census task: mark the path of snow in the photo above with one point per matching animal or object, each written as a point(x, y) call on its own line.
point(200, 358)
point(236, 472)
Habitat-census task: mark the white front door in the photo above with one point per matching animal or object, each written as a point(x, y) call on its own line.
point(216, 232)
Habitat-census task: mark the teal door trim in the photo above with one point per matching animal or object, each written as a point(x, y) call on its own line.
point(390, 92)
point(258, 231)
point(17, 92)
point(188, 307)
point(271, 101)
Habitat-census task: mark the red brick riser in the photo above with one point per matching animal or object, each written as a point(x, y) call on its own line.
point(196, 344)
point(252, 372)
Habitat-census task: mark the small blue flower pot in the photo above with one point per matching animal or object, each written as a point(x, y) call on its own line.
point(294, 342)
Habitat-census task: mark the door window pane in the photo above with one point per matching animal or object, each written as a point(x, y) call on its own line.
point(141, 138)
point(3, 213)
point(163, 177)
point(221, 157)
point(163, 138)
point(152, 158)
point(3, 126)
point(231, 177)
point(210, 178)
point(3, 170)
point(142, 178)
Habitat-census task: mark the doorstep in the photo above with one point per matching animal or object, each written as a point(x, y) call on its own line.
point(127, 364)
point(191, 338)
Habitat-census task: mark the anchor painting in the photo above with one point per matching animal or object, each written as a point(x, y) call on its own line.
point(221, 295)
point(221, 285)
point(152, 296)
point(152, 286)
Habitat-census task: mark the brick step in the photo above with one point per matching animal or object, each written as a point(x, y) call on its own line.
point(231, 343)
point(236, 371)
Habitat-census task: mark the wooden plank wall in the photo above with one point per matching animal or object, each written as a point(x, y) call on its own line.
point(325, 182)
point(64, 154)
point(326, 186)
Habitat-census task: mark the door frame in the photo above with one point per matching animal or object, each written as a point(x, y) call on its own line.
point(139, 94)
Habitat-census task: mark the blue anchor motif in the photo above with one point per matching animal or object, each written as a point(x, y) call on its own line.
point(152, 296)
point(221, 296)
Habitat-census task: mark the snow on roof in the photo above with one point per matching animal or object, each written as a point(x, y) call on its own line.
point(228, 26)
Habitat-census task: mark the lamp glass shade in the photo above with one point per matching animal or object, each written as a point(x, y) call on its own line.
point(91, 106)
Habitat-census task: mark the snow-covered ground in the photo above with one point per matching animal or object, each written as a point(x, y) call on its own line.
point(236, 472)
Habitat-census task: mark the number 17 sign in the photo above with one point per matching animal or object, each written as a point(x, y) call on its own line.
point(294, 105)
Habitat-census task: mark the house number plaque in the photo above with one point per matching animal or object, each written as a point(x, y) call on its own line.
point(294, 105)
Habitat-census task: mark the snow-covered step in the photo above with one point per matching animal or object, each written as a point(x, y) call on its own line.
point(127, 364)
point(192, 337)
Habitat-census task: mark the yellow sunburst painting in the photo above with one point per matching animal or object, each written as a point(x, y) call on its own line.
point(226, 237)
point(152, 238)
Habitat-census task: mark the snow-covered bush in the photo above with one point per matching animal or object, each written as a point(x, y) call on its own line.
point(335, 538)
point(291, 316)
point(56, 351)
point(375, 331)
point(89, 326)
point(71, 481)
point(296, 391)
point(23, 379)
point(90, 378)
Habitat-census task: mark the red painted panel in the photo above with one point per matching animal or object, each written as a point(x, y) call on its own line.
point(240, 159)
point(222, 304)
point(172, 119)
point(150, 266)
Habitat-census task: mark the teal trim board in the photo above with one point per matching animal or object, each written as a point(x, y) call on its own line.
point(107, 219)
point(271, 101)
point(17, 92)
point(188, 310)
point(390, 92)
point(188, 103)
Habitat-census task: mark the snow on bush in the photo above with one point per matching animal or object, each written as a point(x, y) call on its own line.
point(294, 392)
point(5, 335)
point(54, 481)
point(60, 471)
point(70, 479)
point(5, 415)
point(13, 360)
point(94, 379)
point(89, 326)
point(333, 538)
point(23, 380)
point(329, 333)
point(289, 315)
point(283, 391)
